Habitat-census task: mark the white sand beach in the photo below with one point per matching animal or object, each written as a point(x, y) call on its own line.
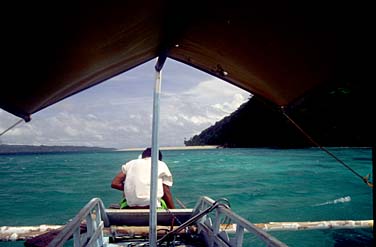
point(174, 148)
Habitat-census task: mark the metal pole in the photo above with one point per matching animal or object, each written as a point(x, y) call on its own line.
point(154, 162)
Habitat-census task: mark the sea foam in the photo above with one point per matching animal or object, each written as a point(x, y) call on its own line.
point(338, 200)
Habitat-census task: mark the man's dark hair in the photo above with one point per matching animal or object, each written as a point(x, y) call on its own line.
point(147, 153)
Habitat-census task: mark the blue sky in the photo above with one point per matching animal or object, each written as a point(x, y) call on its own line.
point(118, 112)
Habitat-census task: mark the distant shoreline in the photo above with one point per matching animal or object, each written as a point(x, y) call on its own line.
point(173, 148)
point(32, 149)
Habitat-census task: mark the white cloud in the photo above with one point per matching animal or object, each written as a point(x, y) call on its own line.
point(229, 107)
point(190, 112)
point(117, 113)
point(70, 131)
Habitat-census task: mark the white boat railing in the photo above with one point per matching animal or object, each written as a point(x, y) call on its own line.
point(94, 216)
point(217, 237)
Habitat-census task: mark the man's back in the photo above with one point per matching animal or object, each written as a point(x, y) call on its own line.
point(137, 182)
point(134, 181)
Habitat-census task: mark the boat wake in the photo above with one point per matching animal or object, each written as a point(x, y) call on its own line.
point(339, 200)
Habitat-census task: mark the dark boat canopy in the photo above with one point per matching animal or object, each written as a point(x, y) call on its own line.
point(274, 50)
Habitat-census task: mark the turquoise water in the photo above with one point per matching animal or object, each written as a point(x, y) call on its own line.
point(262, 185)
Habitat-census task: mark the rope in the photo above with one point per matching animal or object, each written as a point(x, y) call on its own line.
point(365, 179)
point(173, 219)
point(11, 127)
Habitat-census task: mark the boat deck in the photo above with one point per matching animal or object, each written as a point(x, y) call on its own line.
point(130, 227)
point(97, 226)
point(140, 217)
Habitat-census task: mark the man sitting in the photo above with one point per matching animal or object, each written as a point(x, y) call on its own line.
point(134, 181)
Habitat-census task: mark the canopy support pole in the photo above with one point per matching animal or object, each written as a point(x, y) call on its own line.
point(155, 154)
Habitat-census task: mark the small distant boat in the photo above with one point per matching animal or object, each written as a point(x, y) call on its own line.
point(280, 53)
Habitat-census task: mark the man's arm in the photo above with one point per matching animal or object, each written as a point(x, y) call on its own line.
point(167, 196)
point(118, 181)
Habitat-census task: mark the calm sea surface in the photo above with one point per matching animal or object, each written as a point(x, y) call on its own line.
point(262, 185)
